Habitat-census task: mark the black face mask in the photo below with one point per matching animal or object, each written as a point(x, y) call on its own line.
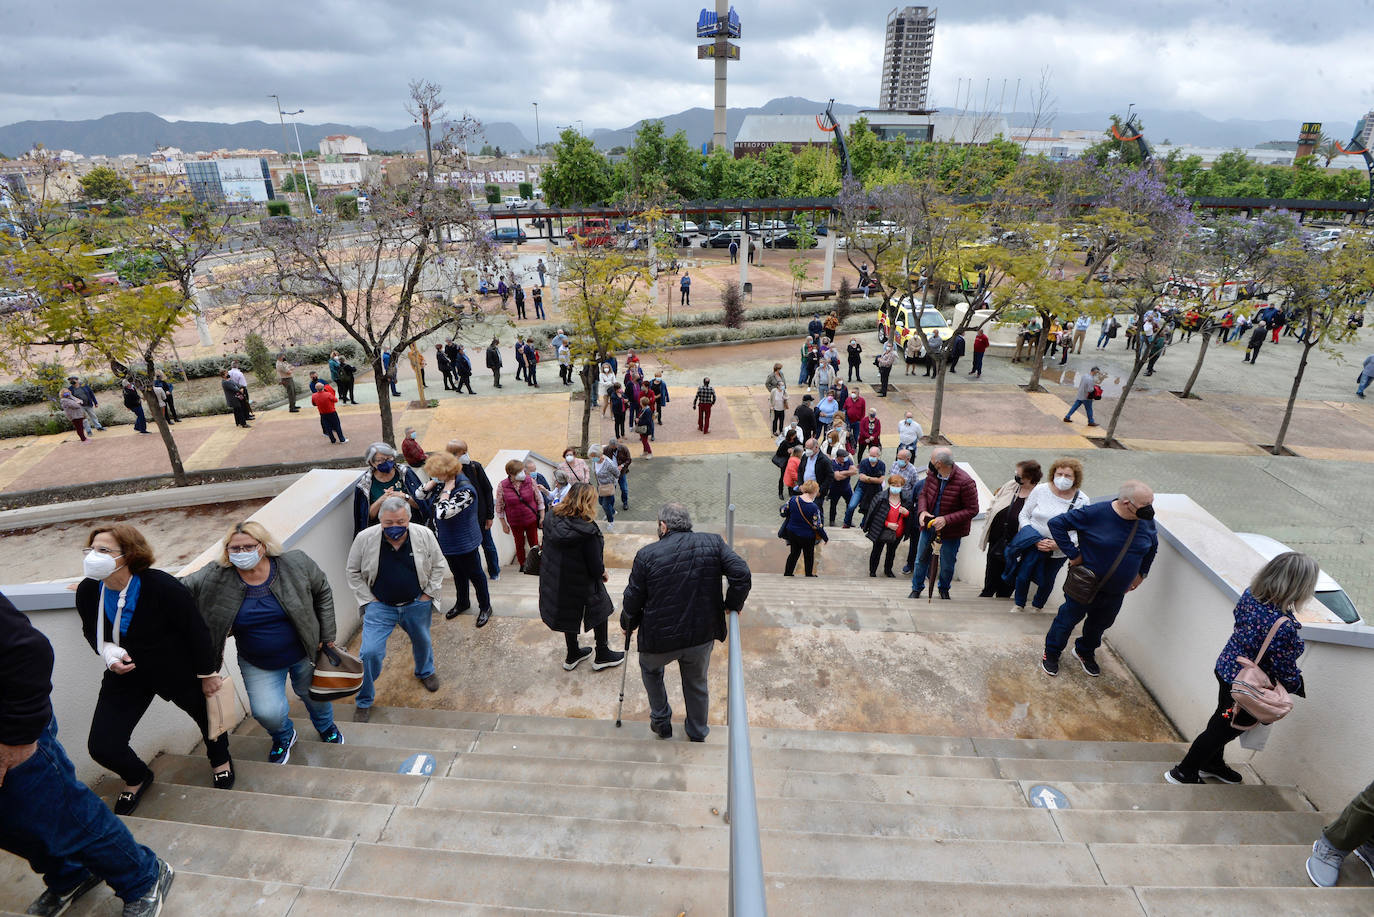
point(1145, 512)
point(1017, 479)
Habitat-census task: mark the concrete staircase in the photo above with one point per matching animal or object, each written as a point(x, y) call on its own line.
point(526, 815)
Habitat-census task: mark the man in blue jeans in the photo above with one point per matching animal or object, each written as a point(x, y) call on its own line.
point(616, 450)
point(1366, 374)
point(1086, 384)
point(1117, 541)
point(872, 476)
point(945, 507)
point(47, 816)
point(395, 569)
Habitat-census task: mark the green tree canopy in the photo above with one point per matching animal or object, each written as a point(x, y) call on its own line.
point(105, 184)
point(579, 173)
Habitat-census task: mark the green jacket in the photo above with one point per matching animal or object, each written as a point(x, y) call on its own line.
point(300, 586)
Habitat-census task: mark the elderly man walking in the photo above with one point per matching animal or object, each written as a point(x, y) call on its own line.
point(1117, 542)
point(673, 598)
point(395, 569)
point(945, 508)
point(704, 399)
point(286, 376)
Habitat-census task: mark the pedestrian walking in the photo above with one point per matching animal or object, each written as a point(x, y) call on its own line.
point(519, 507)
point(886, 525)
point(734, 251)
point(494, 362)
point(47, 816)
point(674, 599)
point(572, 580)
point(451, 499)
point(531, 363)
point(286, 378)
point(980, 348)
point(391, 368)
point(1032, 554)
point(134, 404)
point(326, 402)
point(685, 289)
point(659, 388)
point(519, 300)
point(462, 370)
point(1087, 391)
point(538, 295)
point(644, 425)
point(1366, 375)
point(1266, 633)
point(703, 401)
point(1117, 542)
point(395, 569)
point(871, 477)
point(167, 399)
point(541, 270)
point(1252, 349)
point(442, 361)
point(486, 505)
point(83, 392)
point(280, 608)
point(75, 412)
point(1353, 830)
point(621, 408)
point(855, 352)
point(151, 639)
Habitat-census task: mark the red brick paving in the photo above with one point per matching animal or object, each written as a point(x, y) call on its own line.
point(108, 456)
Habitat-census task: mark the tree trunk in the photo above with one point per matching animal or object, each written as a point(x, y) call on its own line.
point(165, 431)
point(587, 383)
point(383, 383)
point(1201, 355)
point(1292, 399)
point(1125, 393)
point(941, 367)
point(1038, 355)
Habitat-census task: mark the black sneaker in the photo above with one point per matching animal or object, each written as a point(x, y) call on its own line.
point(1088, 662)
point(1177, 777)
point(333, 736)
point(50, 903)
point(607, 658)
point(663, 732)
point(150, 905)
point(574, 659)
point(1220, 771)
point(281, 751)
point(1050, 664)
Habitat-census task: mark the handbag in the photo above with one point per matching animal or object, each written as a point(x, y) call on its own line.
point(338, 674)
point(605, 490)
point(223, 710)
point(1255, 692)
point(1081, 584)
point(531, 564)
point(642, 429)
point(1097, 393)
point(780, 461)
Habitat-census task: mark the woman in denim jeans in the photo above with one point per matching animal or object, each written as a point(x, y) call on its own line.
point(280, 609)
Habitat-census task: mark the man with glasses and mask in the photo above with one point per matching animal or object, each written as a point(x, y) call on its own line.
point(1118, 542)
point(382, 479)
point(395, 569)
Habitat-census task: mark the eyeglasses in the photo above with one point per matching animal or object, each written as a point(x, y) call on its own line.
point(106, 551)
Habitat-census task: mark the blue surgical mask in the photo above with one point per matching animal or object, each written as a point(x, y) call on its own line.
point(895, 488)
point(386, 467)
point(395, 531)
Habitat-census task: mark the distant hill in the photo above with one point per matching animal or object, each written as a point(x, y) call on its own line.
point(1189, 127)
point(143, 132)
point(699, 123)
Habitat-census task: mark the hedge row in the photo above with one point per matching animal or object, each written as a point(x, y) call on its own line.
point(57, 422)
point(19, 394)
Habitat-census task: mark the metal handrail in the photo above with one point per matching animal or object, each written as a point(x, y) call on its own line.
point(747, 898)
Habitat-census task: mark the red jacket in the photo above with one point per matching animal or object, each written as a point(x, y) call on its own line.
point(958, 503)
point(980, 343)
point(854, 408)
point(324, 400)
point(870, 428)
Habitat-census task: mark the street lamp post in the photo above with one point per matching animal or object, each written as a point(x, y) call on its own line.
point(536, 127)
point(308, 196)
point(285, 144)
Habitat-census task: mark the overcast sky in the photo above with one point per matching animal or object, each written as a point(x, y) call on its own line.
point(611, 62)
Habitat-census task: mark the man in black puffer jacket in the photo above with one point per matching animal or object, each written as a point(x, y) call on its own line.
point(674, 600)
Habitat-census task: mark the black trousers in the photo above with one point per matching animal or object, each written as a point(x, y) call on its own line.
point(329, 424)
point(854, 373)
point(1208, 748)
point(992, 573)
point(448, 377)
point(122, 701)
point(172, 414)
point(619, 421)
point(883, 373)
point(878, 548)
point(779, 423)
point(464, 381)
point(467, 569)
point(837, 497)
point(240, 412)
point(346, 391)
point(806, 548)
point(599, 633)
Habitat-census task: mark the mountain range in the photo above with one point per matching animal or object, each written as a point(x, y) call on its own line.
point(143, 132)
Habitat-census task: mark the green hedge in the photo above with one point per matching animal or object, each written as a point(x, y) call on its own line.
point(18, 394)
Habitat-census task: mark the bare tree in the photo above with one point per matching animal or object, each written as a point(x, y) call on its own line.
point(426, 106)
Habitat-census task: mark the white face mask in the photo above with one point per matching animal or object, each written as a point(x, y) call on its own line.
point(520, 476)
point(569, 457)
point(1062, 482)
point(245, 560)
point(463, 459)
point(99, 566)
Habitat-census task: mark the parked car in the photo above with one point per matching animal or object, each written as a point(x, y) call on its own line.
point(1329, 592)
point(508, 234)
point(722, 240)
point(788, 240)
point(593, 231)
point(903, 323)
point(515, 202)
point(712, 226)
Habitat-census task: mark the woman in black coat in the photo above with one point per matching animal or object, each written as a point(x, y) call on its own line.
point(153, 642)
point(789, 440)
point(572, 577)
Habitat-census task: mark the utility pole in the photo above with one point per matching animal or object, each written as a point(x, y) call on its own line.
point(536, 127)
point(285, 144)
point(308, 196)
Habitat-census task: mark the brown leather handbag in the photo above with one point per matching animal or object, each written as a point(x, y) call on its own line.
point(338, 674)
point(1255, 692)
point(1081, 584)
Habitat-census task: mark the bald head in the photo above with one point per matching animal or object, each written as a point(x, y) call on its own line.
point(1138, 493)
point(942, 457)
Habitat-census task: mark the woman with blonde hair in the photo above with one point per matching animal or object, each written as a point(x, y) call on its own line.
point(1041, 558)
point(1265, 612)
point(572, 578)
point(152, 642)
point(451, 499)
point(280, 609)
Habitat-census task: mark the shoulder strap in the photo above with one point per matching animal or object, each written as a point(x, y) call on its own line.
point(1274, 629)
point(1124, 548)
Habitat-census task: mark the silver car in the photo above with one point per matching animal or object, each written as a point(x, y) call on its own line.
point(1329, 592)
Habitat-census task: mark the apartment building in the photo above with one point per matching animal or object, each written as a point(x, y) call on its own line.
point(905, 80)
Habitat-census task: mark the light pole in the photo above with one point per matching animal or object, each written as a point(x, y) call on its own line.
point(536, 127)
point(286, 144)
point(308, 196)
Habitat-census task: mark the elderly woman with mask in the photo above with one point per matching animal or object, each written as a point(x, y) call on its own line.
point(280, 609)
point(606, 471)
point(383, 478)
point(451, 498)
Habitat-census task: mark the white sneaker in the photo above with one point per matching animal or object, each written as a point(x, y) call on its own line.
point(1018, 609)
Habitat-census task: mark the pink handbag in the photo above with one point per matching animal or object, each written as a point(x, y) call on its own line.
point(1255, 692)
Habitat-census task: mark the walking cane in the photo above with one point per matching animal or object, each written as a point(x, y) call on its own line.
point(934, 561)
point(624, 669)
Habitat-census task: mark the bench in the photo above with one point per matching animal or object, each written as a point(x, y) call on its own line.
point(804, 295)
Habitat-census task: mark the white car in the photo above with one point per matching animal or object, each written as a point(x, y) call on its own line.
point(1329, 592)
point(515, 202)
